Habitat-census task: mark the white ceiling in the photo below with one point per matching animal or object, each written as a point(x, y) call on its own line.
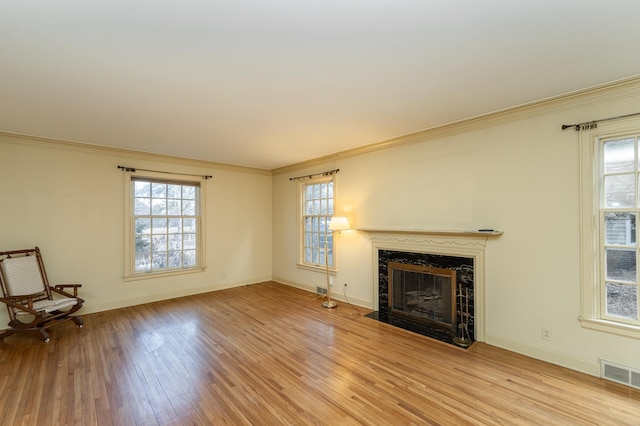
point(269, 83)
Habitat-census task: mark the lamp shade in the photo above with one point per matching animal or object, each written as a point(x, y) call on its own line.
point(339, 223)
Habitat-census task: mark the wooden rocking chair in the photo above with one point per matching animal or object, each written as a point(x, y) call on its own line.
point(29, 298)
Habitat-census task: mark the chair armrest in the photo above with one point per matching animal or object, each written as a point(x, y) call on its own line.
point(59, 288)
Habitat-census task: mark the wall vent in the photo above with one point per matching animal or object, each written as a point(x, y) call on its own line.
point(619, 373)
point(321, 290)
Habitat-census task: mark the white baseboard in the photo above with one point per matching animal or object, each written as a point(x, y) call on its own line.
point(334, 294)
point(93, 306)
point(587, 366)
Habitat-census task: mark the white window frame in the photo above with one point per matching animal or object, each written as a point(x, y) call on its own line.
point(592, 312)
point(129, 238)
point(321, 266)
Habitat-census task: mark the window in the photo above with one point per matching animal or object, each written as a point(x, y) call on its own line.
point(610, 170)
point(316, 246)
point(165, 227)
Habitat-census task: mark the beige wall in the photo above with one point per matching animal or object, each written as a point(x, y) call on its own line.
point(69, 201)
point(517, 172)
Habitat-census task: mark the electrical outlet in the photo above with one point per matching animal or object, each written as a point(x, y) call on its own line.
point(546, 334)
point(331, 281)
point(92, 295)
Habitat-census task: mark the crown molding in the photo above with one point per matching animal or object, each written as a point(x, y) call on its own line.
point(22, 139)
point(617, 89)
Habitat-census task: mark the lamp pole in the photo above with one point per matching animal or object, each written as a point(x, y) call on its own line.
point(328, 303)
point(336, 224)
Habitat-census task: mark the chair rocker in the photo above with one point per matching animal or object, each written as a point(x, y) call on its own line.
point(33, 305)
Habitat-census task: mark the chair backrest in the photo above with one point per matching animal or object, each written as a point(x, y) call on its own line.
point(22, 275)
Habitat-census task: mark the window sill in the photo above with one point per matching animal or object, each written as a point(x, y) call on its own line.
point(321, 269)
point(151, 275)
point(611, 327)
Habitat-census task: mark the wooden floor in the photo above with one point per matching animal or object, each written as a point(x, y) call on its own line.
point(268, 354)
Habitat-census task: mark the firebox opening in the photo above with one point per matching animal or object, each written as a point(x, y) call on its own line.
point(423, 294)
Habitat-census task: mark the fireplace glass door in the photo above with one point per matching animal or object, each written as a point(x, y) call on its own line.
point(423, 293)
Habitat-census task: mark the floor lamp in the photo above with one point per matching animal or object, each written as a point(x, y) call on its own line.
point(336, 224)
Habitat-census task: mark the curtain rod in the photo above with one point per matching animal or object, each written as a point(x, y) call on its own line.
point(588, 125)
point(133, 169)
point(330, 172)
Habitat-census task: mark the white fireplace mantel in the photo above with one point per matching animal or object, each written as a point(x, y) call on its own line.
point(469, 244)
point(470, 236)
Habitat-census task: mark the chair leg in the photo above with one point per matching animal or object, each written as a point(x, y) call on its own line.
point(78, 321)
point(45, 335)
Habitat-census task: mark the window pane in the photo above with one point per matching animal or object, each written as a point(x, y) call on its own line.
point(619, 156)
point(188, 207)
point(175, 225)
point(143, 225)
point(141, 189)
point(622, 300)
point(173, 208)
point(175, 242)
point(159, 243)
point(189, 192)
point(142, 262)
point(189, 224)
point(143, 243)
point(189, 241)
point(158, 206)
point(159, 190)
point(189, 258)
point(620, 228)
point(621, 265)
point(142, 206)
point(174, 191)
point(620, 191)
point(159, 226)
point(159, 260)
point(175, 259)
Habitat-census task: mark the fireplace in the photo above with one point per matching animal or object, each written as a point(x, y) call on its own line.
point(458, 254)
point(423, 294)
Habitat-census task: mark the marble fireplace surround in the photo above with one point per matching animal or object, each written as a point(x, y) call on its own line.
point(467, 244)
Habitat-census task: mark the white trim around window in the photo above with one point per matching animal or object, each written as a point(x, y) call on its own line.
point(197, 219)
point(593, 313)
point(313, 238)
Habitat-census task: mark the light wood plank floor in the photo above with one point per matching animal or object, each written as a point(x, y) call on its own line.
point(268, 354)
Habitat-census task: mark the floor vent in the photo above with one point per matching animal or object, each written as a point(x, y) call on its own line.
point(619, 373)
point(321, 290)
